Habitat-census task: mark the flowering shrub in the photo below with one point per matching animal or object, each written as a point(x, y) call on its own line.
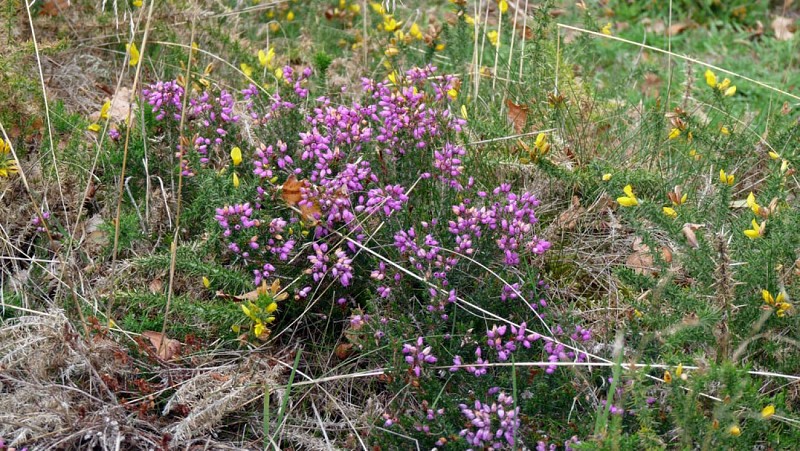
point(374, 199)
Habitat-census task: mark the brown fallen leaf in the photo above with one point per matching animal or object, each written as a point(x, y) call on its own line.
point(640, 260)
point(666, 254)
point(156, 286)
point(688, 231)
point(292, 194)
point(783, 27)
point(166, 348)
point(517, 115)
point(344, 350)
point(678, 28)
point(568, 219)
point(53, 8)
point(651, 85)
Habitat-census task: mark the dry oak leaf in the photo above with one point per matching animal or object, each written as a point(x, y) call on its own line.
point(517, 115)
point(167, 348)
point(640, 260)
point(292, 195)
point(783, 27)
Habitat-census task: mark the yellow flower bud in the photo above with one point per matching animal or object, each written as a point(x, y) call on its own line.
point(236, 156)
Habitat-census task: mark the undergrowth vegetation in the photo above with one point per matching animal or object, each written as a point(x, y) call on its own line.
point(351, 224)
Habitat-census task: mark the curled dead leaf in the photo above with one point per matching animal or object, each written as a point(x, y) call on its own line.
point(689, 232)
point(517, 115)
point(678, 28)
point(344, 350)
point(166, 348)
point(291, 193)
point(290, 190)
point(640, 260)
point(666, 254)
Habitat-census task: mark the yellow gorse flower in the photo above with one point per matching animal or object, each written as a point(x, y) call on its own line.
point(377, 7)
point(235, 180)
point(751, 202)
point(133, 52)
point(390, 24)
point(735, 431)
point(768, 412)
point(606, 30)
point(606, 176)
point(756, 231)
point(493, 37)
point(667, 377)
point(779, 303)
point(236, 156)
point(711, 78)
point(206, 282)
point(247, 69)
point(502, 5)
point(541, 144)
point(452, 93)
point(104, 109)
point(261, 310)
point(415, 32)
point(8, 166)
point(266, 58)
point(725, 178)
point(669, 211)
point(629, 199)
point(724, 86)
point(674, 133)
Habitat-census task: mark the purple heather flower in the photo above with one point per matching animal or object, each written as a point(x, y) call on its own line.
point(418, 354)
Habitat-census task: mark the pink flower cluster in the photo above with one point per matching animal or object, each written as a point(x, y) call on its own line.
point(416, 355)
point(491, 425)
point(496, 339)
